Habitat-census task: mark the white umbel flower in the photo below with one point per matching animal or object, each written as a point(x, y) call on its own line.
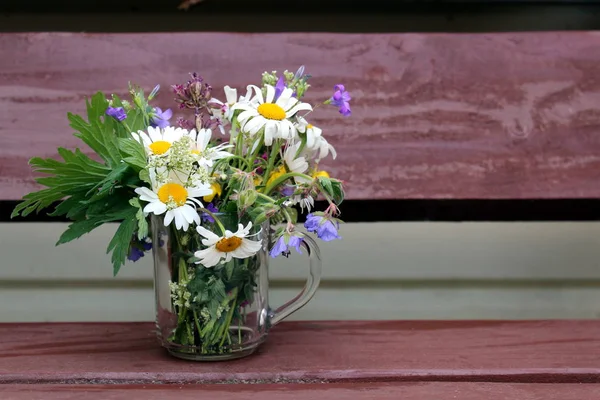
point(231, 245)
point(158, 141)
point(273, 116)
point(175, 201)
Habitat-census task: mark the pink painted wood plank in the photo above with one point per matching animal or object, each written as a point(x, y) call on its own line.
point(502, 115)
point(285, 391)
point(501, 351)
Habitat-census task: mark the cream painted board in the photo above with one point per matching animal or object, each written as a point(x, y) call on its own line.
point(119, 304)
point(412, 250)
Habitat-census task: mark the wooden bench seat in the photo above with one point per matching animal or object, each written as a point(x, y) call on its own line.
point(343, 359)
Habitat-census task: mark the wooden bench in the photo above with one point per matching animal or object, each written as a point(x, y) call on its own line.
point(494, 124)
point(308, 360)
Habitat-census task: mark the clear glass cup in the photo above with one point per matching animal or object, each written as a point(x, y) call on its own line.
point(223, 312)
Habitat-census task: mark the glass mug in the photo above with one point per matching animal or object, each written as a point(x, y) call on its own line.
point(223, 312)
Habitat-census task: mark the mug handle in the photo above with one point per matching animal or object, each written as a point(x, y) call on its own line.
point(312, 283)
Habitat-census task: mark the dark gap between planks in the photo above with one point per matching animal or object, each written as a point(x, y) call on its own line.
point(298, 16)
point(453, 210)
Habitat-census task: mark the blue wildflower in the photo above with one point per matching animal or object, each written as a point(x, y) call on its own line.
point(207, 217)
point(117, 113)
point(161, 118)
point(325, 227)
point(283, 244)
point(341, 99)
point(135, 253)
point(137, 249)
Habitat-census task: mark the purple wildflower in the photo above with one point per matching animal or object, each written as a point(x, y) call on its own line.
point(194, 94)
point(117, 113)
point(279, 248)
point(283, 244)
point(288, 190)
point(325, 227)
point(279, 87)
point(206, 217)
point(295, 242)
point(137, 249)
point(341, 99)
point(161, 118)
point(185, 124)
point(135, 253)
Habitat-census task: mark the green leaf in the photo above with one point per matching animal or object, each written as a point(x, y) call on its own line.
point(145, 176)
point(37, 201)
point(325, 184)
point(142, 229)
point(108, 184)
point(338, 191)
point(133, 153)
point(98, 132)
point(135, 120)
point(79, 228)
point(119, 245)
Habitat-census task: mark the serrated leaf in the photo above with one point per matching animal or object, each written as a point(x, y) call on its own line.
point(106, 185)
point(119, 245)
point(79, 228)
point(133, 152)
point(142, 229)
point(145, 176)
point(218, 290)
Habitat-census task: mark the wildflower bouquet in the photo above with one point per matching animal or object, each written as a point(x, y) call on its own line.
point(200, 194)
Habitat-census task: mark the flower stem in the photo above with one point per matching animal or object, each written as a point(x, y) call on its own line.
point(283, 178)
point(217, 221)
point(274, 152)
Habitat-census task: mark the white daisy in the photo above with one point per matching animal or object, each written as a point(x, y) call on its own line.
point(176, 200)
point(261, 113)
point(316, 145)
point(206, 155)
point(295, 164)
point(158, 141)
point(231, 245)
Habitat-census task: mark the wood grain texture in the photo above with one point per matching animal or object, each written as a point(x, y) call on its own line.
point(507, 115)
point(500, 351)
point(286, 391)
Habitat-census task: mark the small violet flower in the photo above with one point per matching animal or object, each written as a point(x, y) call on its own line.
point(117, 113)
point(137, 249)
point(207, 217)
point(325, 227)
point(279, 87)
point(161, 118)
point(341, 99)
point(284, 243)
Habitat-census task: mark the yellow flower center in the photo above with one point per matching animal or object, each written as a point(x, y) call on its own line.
point(321, 174)
point(310, 126)
point(196, 151)
point(226, 245)
point(271, 111)
point(160, 147)
point(216, 191)
point(172, 193)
